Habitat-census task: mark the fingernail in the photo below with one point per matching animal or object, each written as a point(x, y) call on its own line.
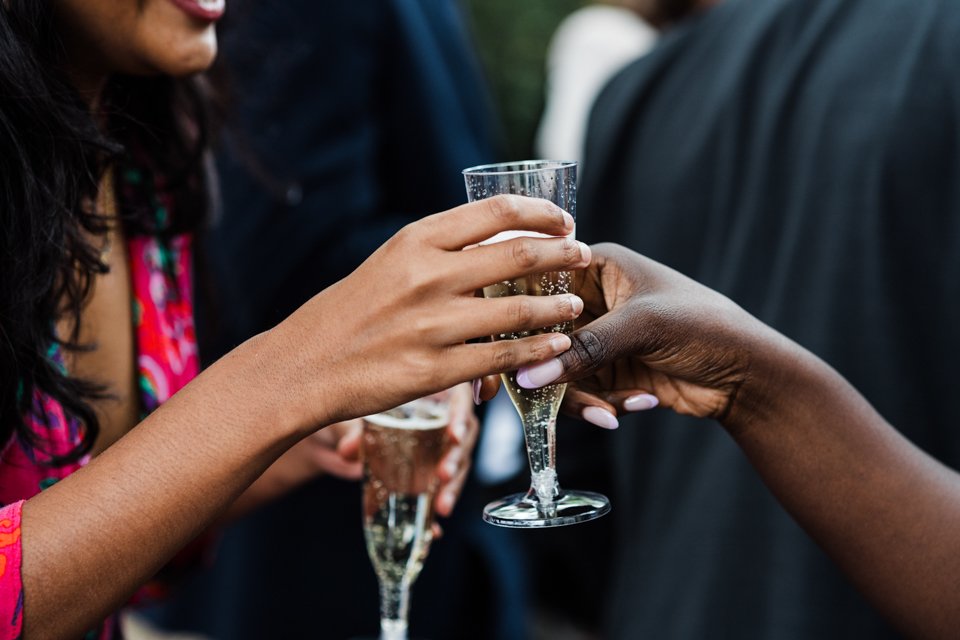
point(576, 303)
point(585, 253)
point(476, 391)
point(540, 374)
point(568, 220)
point(640, 402)
point(600, 417)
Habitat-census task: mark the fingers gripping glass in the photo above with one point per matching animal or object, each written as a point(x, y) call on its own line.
point(545, 504)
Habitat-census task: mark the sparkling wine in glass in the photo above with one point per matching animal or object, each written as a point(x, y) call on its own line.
point(401, 450)
point(545, 504)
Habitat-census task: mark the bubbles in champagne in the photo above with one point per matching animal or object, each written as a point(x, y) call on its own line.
point(543, 284)
point(398, 535)
point(538, 408)
point(401, 451)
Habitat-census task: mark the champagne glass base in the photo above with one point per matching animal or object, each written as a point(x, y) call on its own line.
point(523, 511)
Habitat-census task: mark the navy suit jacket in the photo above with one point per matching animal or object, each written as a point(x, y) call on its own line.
point(349, 121)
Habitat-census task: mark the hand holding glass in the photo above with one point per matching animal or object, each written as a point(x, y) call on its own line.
point(545, 504)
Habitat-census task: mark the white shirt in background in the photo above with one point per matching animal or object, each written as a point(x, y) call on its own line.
point(588, 48)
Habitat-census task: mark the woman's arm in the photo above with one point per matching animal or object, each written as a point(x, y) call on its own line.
point(393, 330)
point(886, 512)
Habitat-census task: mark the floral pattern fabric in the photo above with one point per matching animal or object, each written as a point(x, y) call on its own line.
point(167, 360)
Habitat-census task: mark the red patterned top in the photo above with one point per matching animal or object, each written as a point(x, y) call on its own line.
point(167, 360)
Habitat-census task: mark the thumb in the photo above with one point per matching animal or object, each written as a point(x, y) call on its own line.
point(601, 342)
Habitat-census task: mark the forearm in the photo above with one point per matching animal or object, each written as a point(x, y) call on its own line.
point(885, 511)
point(93, 538)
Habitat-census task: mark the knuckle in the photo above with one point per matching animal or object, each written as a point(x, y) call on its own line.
point(504, 358)
point(420, 367)
point(539, 350)
point(588, 349)
point(407, 233)
point(422, 326)
point(552, 209)
point(571, 251)
point(525, 254)
point(504, 208)
point(523, 312)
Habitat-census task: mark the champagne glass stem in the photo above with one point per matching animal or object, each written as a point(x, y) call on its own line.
point(394, 604)
point(540, 433)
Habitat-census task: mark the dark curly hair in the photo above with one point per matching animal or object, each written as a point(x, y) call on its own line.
point(52, 158)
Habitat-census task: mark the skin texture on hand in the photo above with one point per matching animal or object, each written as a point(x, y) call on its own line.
point(394, 330)
point(886, 512)
point(646, 330)
point(414, 300)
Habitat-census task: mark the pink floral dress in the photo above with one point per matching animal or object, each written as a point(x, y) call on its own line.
point(166, 360)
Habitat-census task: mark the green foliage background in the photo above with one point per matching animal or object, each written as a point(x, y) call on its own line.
point(512, 38)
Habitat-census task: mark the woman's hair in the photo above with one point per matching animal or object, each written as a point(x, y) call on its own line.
point(52, 157)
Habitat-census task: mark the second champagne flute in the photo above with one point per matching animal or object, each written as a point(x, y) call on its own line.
point(545, 504)
point(401, 450)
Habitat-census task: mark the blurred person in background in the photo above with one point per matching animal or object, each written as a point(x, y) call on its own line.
point(349, 121)
point(802, 158)
point(569, 571)
point(886, 512)
point(587, 49)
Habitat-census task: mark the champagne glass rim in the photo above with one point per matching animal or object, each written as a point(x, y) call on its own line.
point(519, 166)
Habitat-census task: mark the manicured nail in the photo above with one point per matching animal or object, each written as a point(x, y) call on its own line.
point(640, 402)
point(600, 417)
point(576, 304)
point(540, 374)
point(585, 253)
point(476, 391)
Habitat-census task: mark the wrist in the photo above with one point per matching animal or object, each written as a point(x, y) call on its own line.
point(776, 372)
point(269, 376)
point(303, 388)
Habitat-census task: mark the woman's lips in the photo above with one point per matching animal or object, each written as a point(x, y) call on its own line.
point(206, 10)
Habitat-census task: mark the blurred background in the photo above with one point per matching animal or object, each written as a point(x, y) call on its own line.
point(512, 39)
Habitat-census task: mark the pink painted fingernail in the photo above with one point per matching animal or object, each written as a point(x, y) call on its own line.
point(640, 402)
point(539, 374)
point(476, 391)
point(600, 417)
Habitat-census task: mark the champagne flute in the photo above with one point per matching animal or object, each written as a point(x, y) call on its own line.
point(545, 504)
point(401, 449)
